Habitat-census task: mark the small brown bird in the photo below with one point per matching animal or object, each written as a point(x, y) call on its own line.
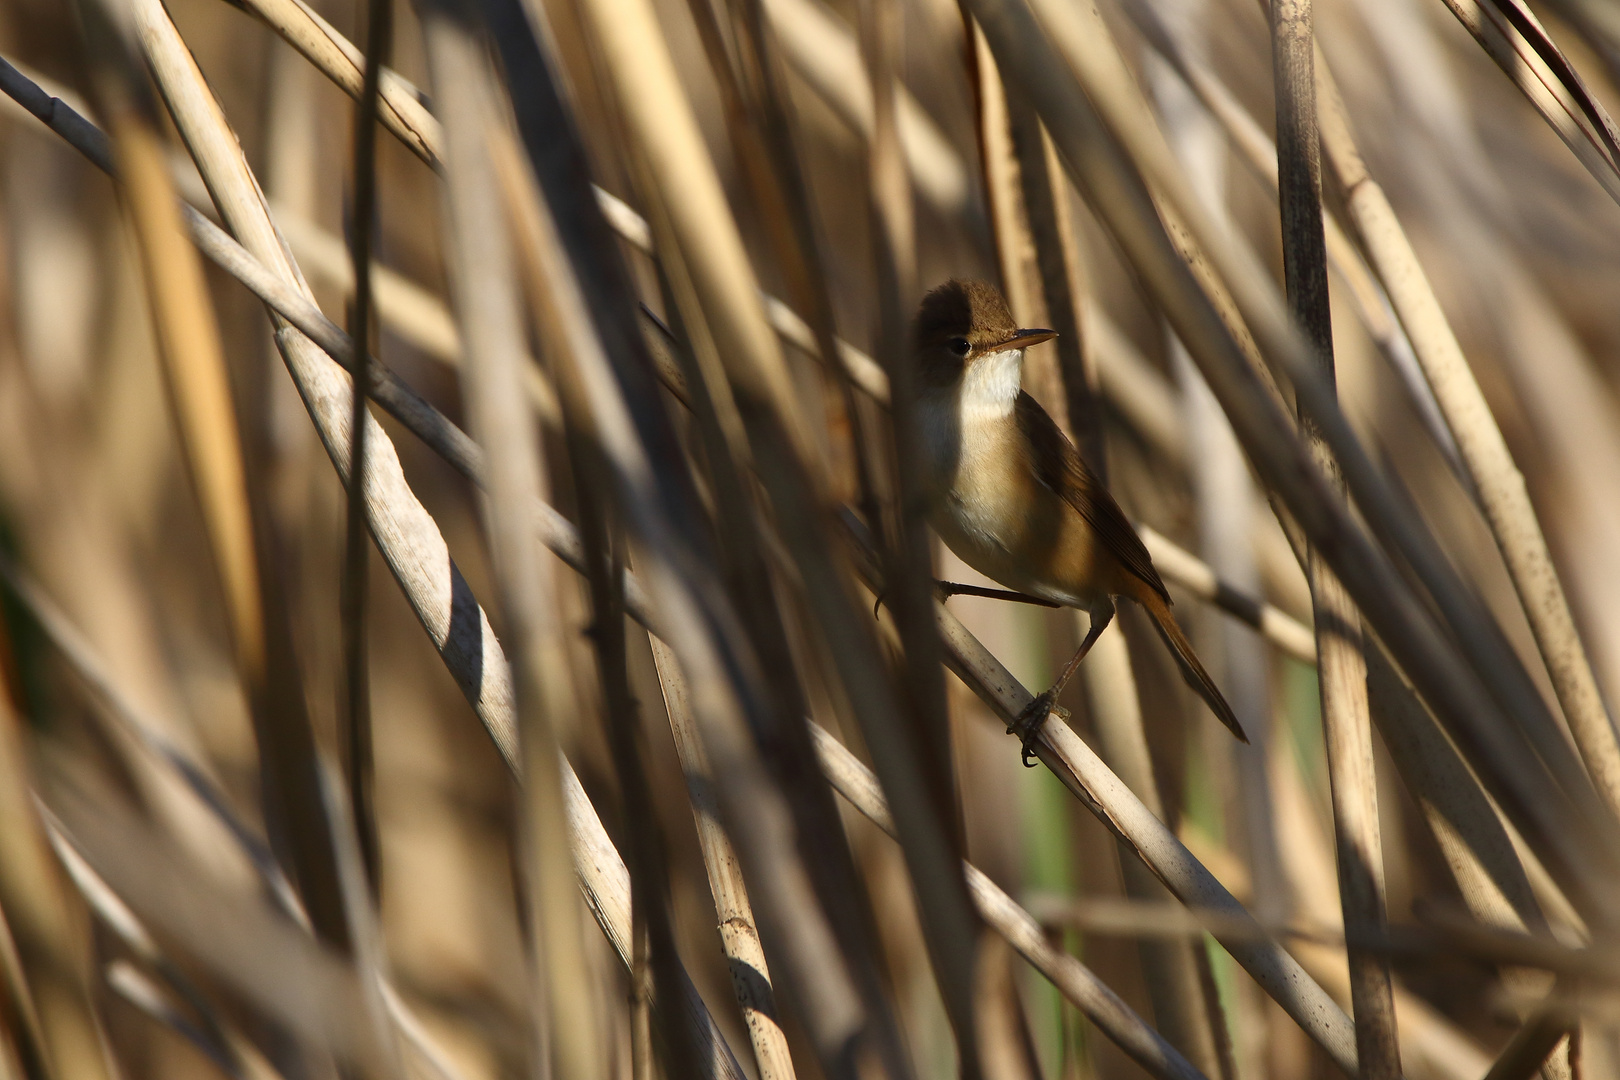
point(1009, 493)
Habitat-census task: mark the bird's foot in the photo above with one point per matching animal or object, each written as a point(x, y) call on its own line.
point(1027, 724)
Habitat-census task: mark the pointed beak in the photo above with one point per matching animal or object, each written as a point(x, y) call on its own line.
point(1023, 339)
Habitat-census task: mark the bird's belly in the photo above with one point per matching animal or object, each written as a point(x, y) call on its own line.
point(1023, 536)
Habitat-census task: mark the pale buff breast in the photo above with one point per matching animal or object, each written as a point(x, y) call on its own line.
point(988, 508)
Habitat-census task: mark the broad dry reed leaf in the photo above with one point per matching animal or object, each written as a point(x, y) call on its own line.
point(483, 282)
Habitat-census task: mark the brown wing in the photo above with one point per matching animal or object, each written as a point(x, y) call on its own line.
point(1060, 468)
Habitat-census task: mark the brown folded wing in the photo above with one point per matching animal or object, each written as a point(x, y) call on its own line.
point(1059, 466)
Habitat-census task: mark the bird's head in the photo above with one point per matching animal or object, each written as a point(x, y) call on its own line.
point(964, 335)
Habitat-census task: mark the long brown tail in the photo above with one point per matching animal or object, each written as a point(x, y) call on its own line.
point(1191, 669)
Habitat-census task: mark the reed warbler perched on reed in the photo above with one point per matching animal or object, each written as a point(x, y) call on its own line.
point(1010, 494)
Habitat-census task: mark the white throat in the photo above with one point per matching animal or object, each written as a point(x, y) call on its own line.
point(990, 385)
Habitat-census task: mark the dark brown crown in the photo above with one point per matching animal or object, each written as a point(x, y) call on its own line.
point(973, 310)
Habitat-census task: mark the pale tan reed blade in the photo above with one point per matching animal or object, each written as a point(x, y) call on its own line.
point(1183, 568)
point(1174, 985)
point(1501, 486)
point(194, 369)
point(484, 284)
point(751, 978)
point(1257, 150)
point(233, 931)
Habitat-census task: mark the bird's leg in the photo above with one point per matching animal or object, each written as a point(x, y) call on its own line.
point(948, 589)
point(1028, 722)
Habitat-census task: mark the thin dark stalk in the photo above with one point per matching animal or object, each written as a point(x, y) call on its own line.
point(951, 928)
point(649, 878)
point(1538, 1037)
point(1046, 191)
point(483, 279)
point(1341, 667)
point(357, 690)
point(783, 737)
point(659, 499)
point(1137, 167)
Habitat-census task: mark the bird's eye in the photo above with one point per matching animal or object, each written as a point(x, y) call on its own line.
point(958, 346)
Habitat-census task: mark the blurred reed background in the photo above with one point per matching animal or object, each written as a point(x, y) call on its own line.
point(636, 277)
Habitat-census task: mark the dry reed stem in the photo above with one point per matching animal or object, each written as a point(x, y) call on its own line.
point(194, 368)
point(116, 916)
point(1257, 150)
point(690, 605)
point(1047, 195)
point(405, 533)
point(607, 891)
point(1000, 168)
point(355, 721)
point(1106, 796)
point(655, 968)
point(855, 782)
point(52, 1021)
point(24, 1042)
point(1428, 1037)
point(1514, 39)
point(232, 931)
point(661, 123)
point(404, 307)
point(400, 110)
point(750, 975)
point(137, 989)
point(1086, 44)
point(930, 809)
point(1035, 272)
point(601, 873)
point(1181, 567)
point(1530, 1051)
point(483, 282)
point(824, 51)
point(1502, 492)
point(1169, 967)
point(1341, 667)
point(1472, 839)
point(1118, 192)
